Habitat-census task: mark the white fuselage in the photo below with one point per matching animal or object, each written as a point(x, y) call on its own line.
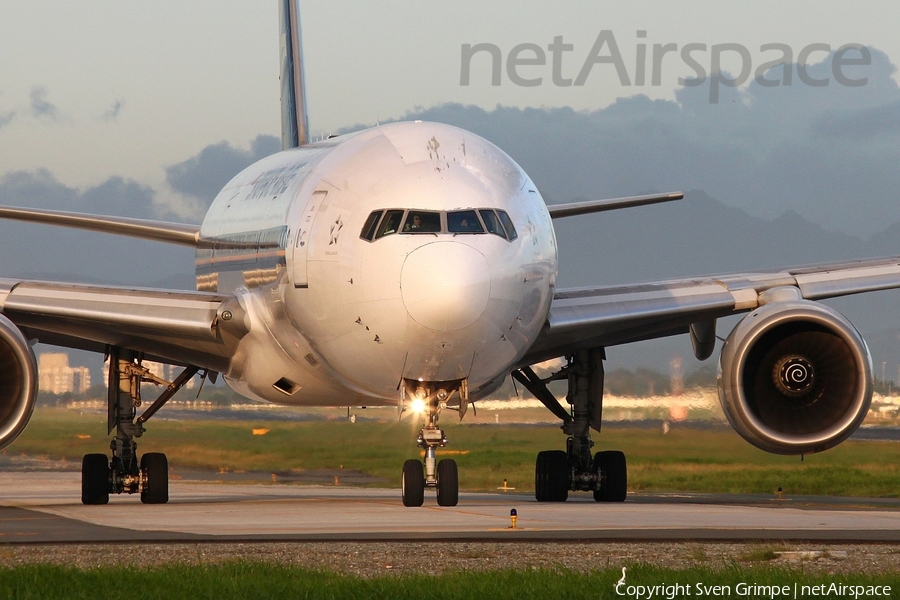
point(347, 293)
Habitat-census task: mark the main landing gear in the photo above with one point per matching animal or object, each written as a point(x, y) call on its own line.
point(558, 472)
point(124, 474)
point(442, 476)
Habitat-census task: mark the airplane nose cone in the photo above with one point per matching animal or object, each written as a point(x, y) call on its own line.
point(445, 285)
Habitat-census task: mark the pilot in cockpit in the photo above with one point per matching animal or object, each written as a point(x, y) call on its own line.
point(416, 224)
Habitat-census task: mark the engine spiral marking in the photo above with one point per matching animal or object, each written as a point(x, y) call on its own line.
point(793, 375)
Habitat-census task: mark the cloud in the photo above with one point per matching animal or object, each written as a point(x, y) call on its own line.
point(40, 106)
point(204, 174)
point(7, 118)
point(195, 182)
point(870, 123)
point(115, 196)
point(112, 113)
point(39, 189)
point(59, 253)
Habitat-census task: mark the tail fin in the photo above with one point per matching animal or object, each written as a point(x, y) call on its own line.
point(294, 122)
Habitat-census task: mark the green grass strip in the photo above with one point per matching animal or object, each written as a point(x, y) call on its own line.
point(258, 580)
point(682, 460)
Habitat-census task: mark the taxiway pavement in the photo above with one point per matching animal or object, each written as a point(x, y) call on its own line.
point(44, 507)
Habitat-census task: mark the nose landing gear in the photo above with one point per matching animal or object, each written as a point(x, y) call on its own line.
point(443, 475)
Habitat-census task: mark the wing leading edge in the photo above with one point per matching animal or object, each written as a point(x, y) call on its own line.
point(583, 318)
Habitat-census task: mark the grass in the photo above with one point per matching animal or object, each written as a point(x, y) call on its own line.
point(698, 554)
point(258, 580)
point(760, 554)
point(682, 460)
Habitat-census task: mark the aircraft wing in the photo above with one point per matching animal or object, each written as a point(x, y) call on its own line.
point(195, 328)
point(160, 231)
point(606, 316)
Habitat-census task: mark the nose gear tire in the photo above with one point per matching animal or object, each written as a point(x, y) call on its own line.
point(447, 483)
point(412, 484)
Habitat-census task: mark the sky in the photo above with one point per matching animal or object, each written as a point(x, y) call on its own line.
point(146, 109)
point(101, 88)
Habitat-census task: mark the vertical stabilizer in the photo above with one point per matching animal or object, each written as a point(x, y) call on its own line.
point(294, 123)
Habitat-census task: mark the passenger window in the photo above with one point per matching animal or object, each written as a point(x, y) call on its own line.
point(390, 224)
point(463, 221)
point(492, 223)
point(419, 221)
point(508, 224)
point(368, 230)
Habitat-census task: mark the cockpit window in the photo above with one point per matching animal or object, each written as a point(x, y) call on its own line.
point(368, 230)
point(508, 224)
point(463, 221)
point(383, 222)
point(492, 222)
point(390, 223)
point(420, 221)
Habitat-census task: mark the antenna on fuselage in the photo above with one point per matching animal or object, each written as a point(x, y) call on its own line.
point(294, 121)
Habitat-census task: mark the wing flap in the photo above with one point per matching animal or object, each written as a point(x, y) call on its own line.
point(183, 327)
point(175, 313)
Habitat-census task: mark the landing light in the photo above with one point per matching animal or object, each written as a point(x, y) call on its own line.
point(418, 405)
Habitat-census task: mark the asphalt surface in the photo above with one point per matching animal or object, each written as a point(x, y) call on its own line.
point(45, 507)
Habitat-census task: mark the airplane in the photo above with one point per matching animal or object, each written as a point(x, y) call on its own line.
point(415, 264)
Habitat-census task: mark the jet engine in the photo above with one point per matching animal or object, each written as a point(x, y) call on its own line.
point(18, 382)
point(795, 377)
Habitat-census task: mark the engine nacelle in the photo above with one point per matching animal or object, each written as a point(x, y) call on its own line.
point(18, 382)
point(795, 377)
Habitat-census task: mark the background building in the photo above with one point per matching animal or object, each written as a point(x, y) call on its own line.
point(57, 377)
